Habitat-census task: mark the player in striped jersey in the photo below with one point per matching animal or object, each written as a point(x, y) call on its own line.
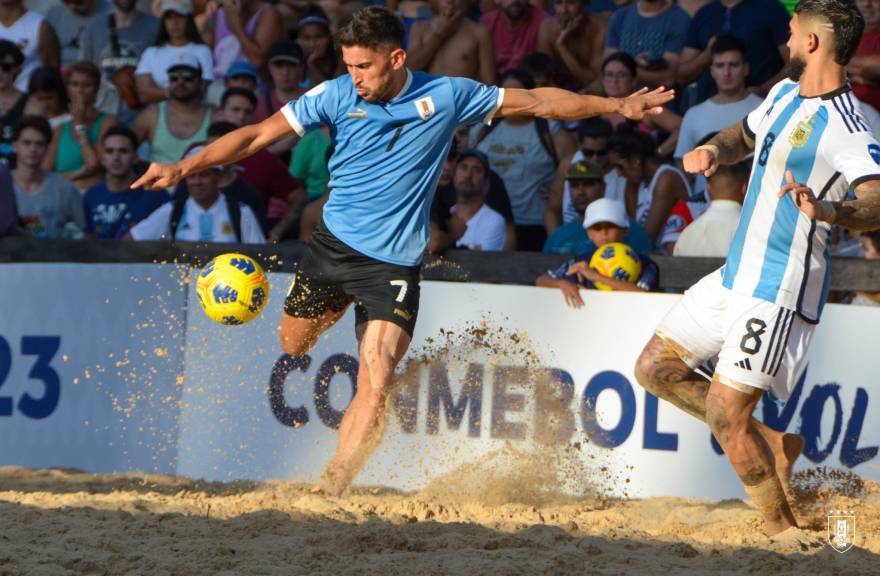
point(758, 312)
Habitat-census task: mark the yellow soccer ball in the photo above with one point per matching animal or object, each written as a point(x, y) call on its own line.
point(616, 260)
point(232, 289)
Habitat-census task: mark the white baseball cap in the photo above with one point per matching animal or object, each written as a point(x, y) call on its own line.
point(606, 210)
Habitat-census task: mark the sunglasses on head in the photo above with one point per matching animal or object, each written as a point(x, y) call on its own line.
point(185, 76)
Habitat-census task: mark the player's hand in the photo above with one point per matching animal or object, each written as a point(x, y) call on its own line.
point(159, 176)
point(701, 161)
point(569, 28)
point(572, 294)
point(644, 103)
point(804, 198)
point(449, 22)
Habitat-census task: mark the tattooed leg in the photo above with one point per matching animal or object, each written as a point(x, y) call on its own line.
point(729, 415)
point(662, 372)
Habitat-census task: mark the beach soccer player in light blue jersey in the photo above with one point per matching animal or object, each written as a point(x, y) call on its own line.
point(757, 313)
point(391, 130)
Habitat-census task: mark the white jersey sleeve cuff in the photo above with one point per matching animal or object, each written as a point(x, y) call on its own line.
point(293, 121)
point(487, 119)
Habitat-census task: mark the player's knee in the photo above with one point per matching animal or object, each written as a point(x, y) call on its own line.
point(294, 344)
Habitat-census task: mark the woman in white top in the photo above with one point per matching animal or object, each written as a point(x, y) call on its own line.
point(652, 187)
point(177, 35)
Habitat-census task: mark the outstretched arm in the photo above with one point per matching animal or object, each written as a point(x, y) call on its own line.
point(862, 214)
point(558, 104)
point(231, 148)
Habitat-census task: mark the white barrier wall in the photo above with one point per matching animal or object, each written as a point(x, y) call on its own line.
point(245, 411)
point(89, 360)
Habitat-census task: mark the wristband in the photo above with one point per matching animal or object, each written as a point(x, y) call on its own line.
point(81, 130)
point(710, 147)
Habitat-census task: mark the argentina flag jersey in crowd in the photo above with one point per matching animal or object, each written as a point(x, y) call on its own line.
point(778, 254)
point(388, 155)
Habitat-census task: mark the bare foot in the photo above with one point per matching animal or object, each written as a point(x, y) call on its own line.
point(333, 482)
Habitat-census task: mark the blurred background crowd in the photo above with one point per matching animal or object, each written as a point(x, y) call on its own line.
point(91, 91)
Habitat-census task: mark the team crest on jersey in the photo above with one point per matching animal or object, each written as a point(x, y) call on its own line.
point(425, 107)
point(802, 131)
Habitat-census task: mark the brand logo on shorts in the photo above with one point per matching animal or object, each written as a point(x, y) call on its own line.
point(425, 107)
point(744, 364)
point(403, 314)
point(841, 529)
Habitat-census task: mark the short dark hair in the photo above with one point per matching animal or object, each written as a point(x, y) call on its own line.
point(37, 123)
point(632, 144)
point(728, 44)
point(520, 75)
point(846, 20)
point(48, 79)
point(122, 131)
point(86, 68)
point(372, 27)
point(623, 58)
point(8, 48)
point(238, 91)
point(539, 62)
point(595, 127)
point(219, 128)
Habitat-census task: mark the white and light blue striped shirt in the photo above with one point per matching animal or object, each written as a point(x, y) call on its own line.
point(778, 254)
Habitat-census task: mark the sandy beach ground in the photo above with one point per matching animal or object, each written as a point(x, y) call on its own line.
point(60, 522)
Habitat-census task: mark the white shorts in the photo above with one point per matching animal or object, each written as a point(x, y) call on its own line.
point(758, 343)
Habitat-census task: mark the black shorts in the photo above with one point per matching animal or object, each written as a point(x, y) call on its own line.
point(332, 275)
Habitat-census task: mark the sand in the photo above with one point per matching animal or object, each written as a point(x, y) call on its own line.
point(58, 522)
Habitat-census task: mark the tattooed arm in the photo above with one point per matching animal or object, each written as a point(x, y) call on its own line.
point(862, 214)
point(727, 147)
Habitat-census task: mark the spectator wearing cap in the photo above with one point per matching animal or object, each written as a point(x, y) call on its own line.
point(70, 19)
point(178, 41)
point(314, 37)
point(172, 125)
point(653, 33)
point(242, 30)
point(585, 180)
point(762, 25)
point(114, 43)
point(33, 34)
point(9, 219)
point(445, 198)
point(471, 223)
point(287, 74)
point(605, 221)
point(12, 101)
point(112, 206)
point(242, 74)
point(514, 25)
point(73, 152)
point(204, 214)
point(49, 205)
point(449, 44)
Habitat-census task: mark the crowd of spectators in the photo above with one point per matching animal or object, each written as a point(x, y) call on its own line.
point(91, 91)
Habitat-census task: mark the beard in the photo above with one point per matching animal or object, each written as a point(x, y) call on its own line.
point(795, 68)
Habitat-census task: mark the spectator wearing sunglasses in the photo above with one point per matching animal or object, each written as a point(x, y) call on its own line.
point(70, 20)
point(33, 34)
point(12, 101)
point(172, 125)
point(178, 41)
point(593, 135)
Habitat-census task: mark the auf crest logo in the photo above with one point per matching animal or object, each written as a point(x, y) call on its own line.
point(243, 264)
point(224, 294)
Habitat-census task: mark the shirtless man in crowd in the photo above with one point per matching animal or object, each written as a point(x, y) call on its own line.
point(451, 45)
point(576, 41)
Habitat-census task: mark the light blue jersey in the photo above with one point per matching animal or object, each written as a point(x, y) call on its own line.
point(777, 253)
point(387, 156)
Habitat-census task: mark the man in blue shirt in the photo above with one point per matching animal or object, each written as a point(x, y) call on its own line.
point(391, 131)
point(112, 206)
